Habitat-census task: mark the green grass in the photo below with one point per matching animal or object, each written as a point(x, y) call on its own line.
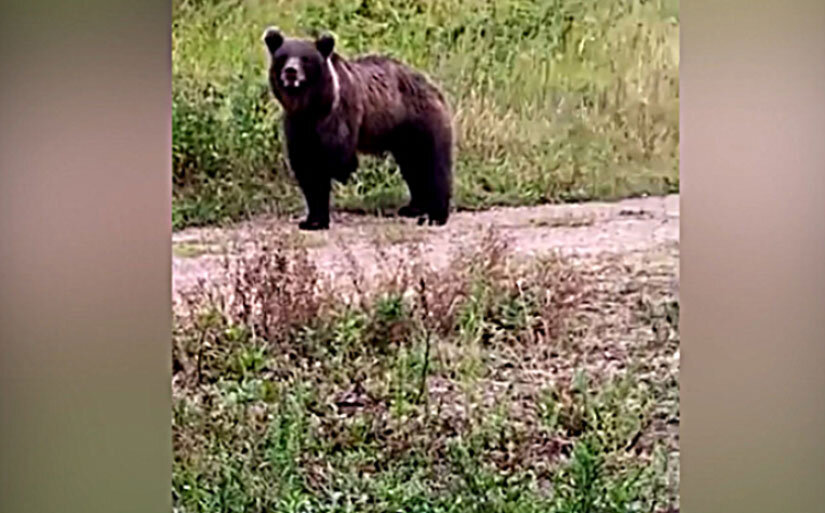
point(553, 100)
point(369, 405)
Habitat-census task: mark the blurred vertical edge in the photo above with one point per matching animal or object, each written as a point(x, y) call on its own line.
point(85, 145)
point(752, 180)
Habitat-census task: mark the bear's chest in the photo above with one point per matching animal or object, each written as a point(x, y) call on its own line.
point(326, 138)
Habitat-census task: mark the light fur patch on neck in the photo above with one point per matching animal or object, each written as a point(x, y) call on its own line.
point(336, 85)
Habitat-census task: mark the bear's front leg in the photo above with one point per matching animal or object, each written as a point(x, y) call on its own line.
point(316, 192)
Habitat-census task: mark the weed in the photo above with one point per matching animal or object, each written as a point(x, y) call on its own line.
point(421, 395)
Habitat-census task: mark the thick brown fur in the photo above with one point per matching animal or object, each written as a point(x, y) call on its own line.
point(336, 108)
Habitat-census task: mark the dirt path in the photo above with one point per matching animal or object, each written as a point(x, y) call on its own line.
point(634, 226)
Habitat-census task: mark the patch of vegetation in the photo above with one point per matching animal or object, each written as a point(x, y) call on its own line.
point(553, 100)
point(189, 250)
point(463, 389)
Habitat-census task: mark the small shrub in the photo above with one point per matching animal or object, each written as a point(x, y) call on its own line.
point(274, 288)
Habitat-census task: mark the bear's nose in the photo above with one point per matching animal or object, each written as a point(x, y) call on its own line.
point(290, 72)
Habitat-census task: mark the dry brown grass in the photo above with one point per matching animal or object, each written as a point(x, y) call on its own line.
point(487, 365)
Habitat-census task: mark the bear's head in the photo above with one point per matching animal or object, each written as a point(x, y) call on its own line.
point(301, 73)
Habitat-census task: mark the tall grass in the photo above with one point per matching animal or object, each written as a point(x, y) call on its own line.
point(553, 100)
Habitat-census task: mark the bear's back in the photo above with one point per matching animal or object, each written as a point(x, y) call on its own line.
point(393, 94)
point(387, 75)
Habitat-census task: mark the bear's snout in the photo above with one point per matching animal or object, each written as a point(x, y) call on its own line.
point(292, 74)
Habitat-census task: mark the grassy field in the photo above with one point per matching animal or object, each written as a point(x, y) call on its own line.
point(492, 385)
point(554, 100)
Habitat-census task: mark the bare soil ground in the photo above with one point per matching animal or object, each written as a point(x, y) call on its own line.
point(589, 232)
point(627, 252)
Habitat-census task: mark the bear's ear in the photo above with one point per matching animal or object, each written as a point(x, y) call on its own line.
point(325, 44)
point(273, 39)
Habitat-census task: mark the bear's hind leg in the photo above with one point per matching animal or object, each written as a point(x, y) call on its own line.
point(436, 170)
point(410, 165)
point(417, 206)
point(424, 156)
point(440, 183)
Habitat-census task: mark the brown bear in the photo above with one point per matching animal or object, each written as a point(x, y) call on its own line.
point(335, 108)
